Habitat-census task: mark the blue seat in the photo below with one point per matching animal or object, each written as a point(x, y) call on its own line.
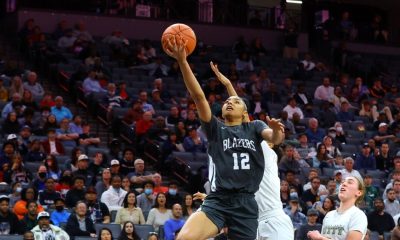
point(143, 230)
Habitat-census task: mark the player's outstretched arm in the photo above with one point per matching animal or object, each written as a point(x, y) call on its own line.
point(224, 80)
point(276, 133)
point(176, 49)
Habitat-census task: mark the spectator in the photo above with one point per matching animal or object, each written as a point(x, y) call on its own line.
point(115, 167)
point(155, 69)
point(15, 194)
point(41, 176)
point(371, 193)
point(159, 214)
point(311, 195)
point(174, 223)
point(65, 135)
point(81, 32)
point(17, 172)
point(146, 200)
point(76, 152)
point(294, 212)
point(27, 194)
point(49, 194)
point(299, 127)
point(288, 124)
point(75, 126)
point(86, 138)
point(365, 160)
point(64, 184)
point(96, 210)
point(331, 150)
point(79, 224)
point(193, 142)
point(8, 219)
point(328, 204)
point(52, 145)
point(139, 176)
point(47, 101)
point(294, 183)
point(60, 215)
point(128, 232)
point(244, 63)
point(105, 234)
point(11, 124)
point(105, 183)
point(66, 41)
point(285, 193)
point(143, 125)
point(324, 92)
point(41, 231)
point(392, 205)
point(33, 86)
point(83, 170)
point(383, 135)
point(146, 106)
point(60, 111)
point(77, 193)
point(311, 225)
point(188, 207)
point(53, 171)
point(348, 170)
point(3, 92)
point(173, 196)
point(115, 195)
point(309, 65)
point(312, 174)
point(290, 49)
point(157, 180)
point(49, 123)
point(16, 87)
point(128, 161)
point(98, 165)
point(377, 91)
point(29, 220)
point(321, 159)
point(292, 108)
point(314, 134)
point(130, 212)
point(287, 162)
point(345, 115)
point(379, 220)
point(29, 101)
point(91, 84)
point(134, 114)
point(384, 161)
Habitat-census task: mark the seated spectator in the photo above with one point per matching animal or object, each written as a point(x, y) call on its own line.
point(294, 182)
point(128, 161)
point(59, 111)
point(86, 138)
point(159, 214)
point(156, 101)
point(3, 92)
point(16, 88)
point(193, 142)
point(60, 215)
point(155, 69)
point(287, 162)
point(130, 212)
point(292, 108)
point(50, 123)
point(285, 193)
point(79, 224)
point(143, 125)
point(146, 105)
point(115, 167)
point(112, 100)
point(76, 193)
point(157, 180)
point(164, 93)
point(11, 124)
point(27, 194)
point(304, 149)
point(28, 101)
point(40, 179)
point(392, 205)
point(158, 131)
point(314, 134)
point(80, 30)
point(134, 114)
point(384, 161)
point(49, 194)
point(9, 220)
point(337, 134)
point(288, 124)
point(331, 150)
point(65, 135)
point(104, 183)
point(129, 232)
point(83, 171)
point(43, 227)
point(348, 170)
point(244, 63)
point(33, 86)
point(15, 194)
point(379, 220)
point(174, 117)
point(325, 91)
point(66, 41)
point(17, 172)
point(146, 200)
point(377, 91)
point(173, 196)
point(312, 174)
point(299, 127)
point(383, 135)
point(311, 225)
point(75, 126)
point(91, 84)
point(311, 195)
point(53, 171)
point(364, 160)
point(371, 193)
point(175, 223)
point(52, 145)
point(97, 211)
point(344, 115)
point(47, 101)
point(139, 176)
point(98, 165)
point(328, 204)
point(29, 220)
point(115, 195)
point(188, 206)
point(294, 212)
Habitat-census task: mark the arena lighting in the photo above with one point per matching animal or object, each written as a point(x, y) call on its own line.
point(294, 1)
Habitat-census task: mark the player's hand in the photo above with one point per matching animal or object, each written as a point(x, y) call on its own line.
point(314, 235)
point(199, 196)
point(275, 124)
point(224, 80)
point(176, 48)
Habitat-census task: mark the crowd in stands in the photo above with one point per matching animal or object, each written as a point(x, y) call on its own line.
point(61, 175)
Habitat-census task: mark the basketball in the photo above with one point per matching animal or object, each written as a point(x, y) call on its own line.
point(180, 30)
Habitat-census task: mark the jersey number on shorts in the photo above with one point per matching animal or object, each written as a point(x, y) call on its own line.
point(244, 161)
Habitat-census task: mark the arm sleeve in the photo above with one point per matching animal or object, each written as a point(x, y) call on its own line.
point(151, 217)
point(259, 126)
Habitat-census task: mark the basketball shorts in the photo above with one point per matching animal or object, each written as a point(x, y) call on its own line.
point(237, 211)
point(277, 227)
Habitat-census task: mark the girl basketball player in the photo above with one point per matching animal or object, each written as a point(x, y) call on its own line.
point(235, 152)
point(347, 222)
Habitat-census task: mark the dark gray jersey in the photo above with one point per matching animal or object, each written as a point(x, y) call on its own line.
point(236, 157)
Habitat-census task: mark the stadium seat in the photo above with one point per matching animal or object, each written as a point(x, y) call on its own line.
point(114, 228)
point(11, 237)
point(143, 230)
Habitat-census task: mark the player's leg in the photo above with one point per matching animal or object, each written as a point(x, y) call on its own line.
point(242, 222)
point(278, 227)
point(198, 227)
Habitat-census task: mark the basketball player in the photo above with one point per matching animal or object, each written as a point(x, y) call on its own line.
point(348, 221)
point(273, 223)
point(235, 149)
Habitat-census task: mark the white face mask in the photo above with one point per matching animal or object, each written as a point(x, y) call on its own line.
point(333, 135)
point(339, 129)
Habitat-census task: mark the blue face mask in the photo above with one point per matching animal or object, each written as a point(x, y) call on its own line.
point(172, 192)
point(148, 191)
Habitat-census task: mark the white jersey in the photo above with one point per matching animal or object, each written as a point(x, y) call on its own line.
point(268, 196)
point(337, 225)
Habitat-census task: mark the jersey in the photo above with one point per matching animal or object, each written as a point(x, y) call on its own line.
point(337, 225)
point(235, 155)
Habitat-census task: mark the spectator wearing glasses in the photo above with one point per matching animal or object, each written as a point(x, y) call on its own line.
point(311, 195)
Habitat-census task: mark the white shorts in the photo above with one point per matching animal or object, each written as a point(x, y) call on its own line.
point(278, 227)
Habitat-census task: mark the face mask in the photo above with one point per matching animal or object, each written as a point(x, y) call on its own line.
point(42, 175)
point(339, 129)
point(333, 135)
point(59, 208)
point(18, 189)
point(148, 191)
point(172, 192)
